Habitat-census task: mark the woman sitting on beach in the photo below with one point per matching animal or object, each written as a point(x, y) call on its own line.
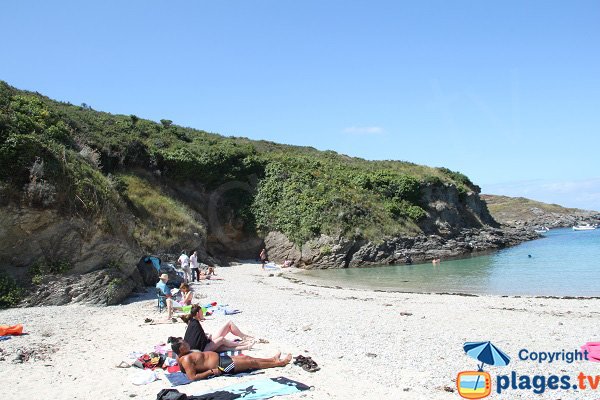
point(186, 294)
point(199, 340)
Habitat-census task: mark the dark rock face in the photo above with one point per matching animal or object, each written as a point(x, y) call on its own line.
point(30, 235)
point(104, 287)
point(328, 252)
point(101, 255)
point(450, 211)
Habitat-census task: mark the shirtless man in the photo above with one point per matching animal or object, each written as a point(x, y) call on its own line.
point(202, 364)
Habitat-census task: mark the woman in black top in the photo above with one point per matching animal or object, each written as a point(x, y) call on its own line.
point(199, 340)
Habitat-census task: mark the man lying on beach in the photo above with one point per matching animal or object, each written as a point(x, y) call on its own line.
point(202, 364)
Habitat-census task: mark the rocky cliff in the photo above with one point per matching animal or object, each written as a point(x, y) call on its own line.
point(84, 194)
point(530, 214)
point(69, 258)
point(456, 225)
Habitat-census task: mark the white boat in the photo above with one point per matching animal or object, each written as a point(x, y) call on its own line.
point(585, 227)
point(544, 229)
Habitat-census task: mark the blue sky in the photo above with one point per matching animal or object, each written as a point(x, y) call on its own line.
point(507, 92)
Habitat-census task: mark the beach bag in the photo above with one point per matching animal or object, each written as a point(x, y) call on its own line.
point(152, 360)
point(171, 394)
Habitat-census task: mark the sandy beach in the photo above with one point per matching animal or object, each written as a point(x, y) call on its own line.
point(368, 344)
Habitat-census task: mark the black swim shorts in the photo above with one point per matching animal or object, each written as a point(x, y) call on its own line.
point(226, 364)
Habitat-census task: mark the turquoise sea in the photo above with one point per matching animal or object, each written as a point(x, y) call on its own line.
point(563, 263)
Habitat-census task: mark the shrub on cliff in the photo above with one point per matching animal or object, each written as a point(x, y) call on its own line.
point(10, 292)
point(300, 191)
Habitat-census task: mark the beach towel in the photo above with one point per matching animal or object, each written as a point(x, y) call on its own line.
point(255, 390)
point(6, 330)
point(177, 378)
point(5, 338)
point(593, 349)
point(172, 369)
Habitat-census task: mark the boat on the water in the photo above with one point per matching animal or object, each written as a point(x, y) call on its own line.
point(585, 227)
point(543, 229)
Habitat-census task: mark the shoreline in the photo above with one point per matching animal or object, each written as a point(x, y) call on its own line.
point(462, 294)
point(368, 344)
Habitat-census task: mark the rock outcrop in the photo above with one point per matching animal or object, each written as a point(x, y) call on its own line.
point(31, 236)
point(97, 256)
point(531, 214)
point(457, 225)
point(330, 252)
point(104, 287)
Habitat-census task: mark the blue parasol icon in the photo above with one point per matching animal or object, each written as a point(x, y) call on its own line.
point(487, 353)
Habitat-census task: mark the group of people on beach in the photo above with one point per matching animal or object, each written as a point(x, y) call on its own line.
point(197, 352)
point(193, 270)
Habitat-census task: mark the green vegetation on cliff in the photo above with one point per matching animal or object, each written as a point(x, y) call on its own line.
point(78, 160)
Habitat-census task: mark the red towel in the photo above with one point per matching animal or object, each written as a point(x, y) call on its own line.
point(11, 330)
point(174, 368)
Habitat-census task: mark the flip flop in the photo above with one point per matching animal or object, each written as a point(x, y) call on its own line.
point(299, 360)
point(123, 364)
point(307, 363)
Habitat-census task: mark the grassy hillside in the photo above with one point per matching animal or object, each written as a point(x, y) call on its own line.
point(79, 160)
point(506, 209)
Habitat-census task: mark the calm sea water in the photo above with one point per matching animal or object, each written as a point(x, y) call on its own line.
point(563, 263)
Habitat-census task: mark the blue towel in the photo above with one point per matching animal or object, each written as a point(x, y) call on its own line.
point(5, 338)
point(259, 389)
point(177, 378)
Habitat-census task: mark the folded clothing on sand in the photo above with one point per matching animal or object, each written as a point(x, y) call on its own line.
point(144, 377)
point(6, 330)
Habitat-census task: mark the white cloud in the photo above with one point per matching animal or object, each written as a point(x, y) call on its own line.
point(364, 130)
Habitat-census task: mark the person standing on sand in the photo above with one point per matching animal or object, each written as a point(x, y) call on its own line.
point(202, 364)
point(184, 262)
point(263, 257)
point(195, 267)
